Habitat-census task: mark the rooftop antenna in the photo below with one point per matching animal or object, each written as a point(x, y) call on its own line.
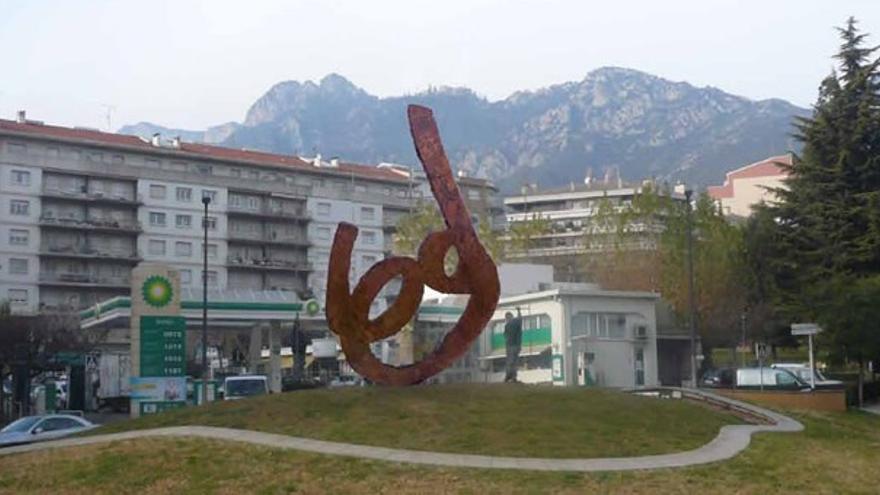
point(108, 115)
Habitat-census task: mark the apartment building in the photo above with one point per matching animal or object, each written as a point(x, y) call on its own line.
point(82, 207)
point(752, 184)
point(571, 213)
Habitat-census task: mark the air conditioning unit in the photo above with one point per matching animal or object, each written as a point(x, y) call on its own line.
point(641, 332)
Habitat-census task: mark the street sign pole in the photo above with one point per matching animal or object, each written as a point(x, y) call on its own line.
point(808, 329)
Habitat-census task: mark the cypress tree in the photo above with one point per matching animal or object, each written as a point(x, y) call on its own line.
point(829, 225)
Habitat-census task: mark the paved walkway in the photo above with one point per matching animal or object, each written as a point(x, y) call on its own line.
point(731, 440)
point(872, 408)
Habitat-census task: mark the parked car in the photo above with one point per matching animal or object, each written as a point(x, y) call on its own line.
point(803, 372)
point(769, 378)
point(44, 427)
point(240, 387)
point(720, 378)
point(753, 378)
point(346, 381)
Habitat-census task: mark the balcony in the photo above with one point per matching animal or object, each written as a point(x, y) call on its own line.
point(390, 224)
point(83, 280)
point(299, 215)
point(253, 238)
point(239, 262)
point(87, 252)
point(95, 225)
point(92, 197)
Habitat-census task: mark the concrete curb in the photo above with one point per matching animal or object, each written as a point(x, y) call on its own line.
point(731, 440)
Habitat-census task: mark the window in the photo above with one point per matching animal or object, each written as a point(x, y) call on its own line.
point(211, 222)
point(184, 194)
point(56, 424)
point(17, 296)
point(19, 207)
point(212, 278)
point(212, 251)
point(18, 266)
point(157, 191)
point(18, 237)
point(118, 159)
point(203, 169)
point(156, 247)
point(183, 221)
point(473, 194)
point(157, 219)
point(369, 237)
point(323, 233)
point(183, 249)
point(185, 277)
point(368, 213)
point(21, 177)
point(235, 172)
point(212, 195)
point(323, 209)
point(17, 148)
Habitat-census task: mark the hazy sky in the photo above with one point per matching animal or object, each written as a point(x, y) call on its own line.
point(191, 64)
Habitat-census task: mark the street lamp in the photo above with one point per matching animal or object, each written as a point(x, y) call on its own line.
point(691, 303)
point(206, 200)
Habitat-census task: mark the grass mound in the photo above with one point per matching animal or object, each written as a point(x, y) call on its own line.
point(509, 420)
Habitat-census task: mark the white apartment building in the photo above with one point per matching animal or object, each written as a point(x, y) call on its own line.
point(81, 208)
point(570, 213)
point(19, 235)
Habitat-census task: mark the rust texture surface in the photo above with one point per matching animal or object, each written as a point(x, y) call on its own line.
point(475, 274)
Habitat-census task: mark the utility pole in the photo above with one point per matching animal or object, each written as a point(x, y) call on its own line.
point(206, 200)
point(691, 301)
point(743, 342)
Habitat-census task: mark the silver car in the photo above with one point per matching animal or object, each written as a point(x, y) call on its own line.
point(803, 372)
point(45, 427)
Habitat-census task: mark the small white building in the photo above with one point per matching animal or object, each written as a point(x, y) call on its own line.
point(578, 334)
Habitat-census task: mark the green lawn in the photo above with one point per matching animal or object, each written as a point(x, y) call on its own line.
point(511, 420)
point(838, 453)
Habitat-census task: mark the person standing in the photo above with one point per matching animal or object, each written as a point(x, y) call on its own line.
point(513, 341)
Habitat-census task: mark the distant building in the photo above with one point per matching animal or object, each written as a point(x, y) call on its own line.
point(571, 213)
point(747, 186)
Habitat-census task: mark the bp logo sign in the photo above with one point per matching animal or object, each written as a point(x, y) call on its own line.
point(312, 307)
point(157, 291)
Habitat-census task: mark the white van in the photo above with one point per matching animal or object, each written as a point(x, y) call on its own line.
point(240, 387)
point(768, 378)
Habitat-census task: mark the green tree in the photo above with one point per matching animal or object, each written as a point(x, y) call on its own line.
point(425, 218)
point(642, 246)
point(829, 230)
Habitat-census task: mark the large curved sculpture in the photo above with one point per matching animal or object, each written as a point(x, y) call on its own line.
point(348, 311)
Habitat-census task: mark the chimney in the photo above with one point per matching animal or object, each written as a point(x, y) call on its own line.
point(22, 117)
point(155, 140)
point(317, 161)
point(334, 162)
point(175, 142)
point(571, 186)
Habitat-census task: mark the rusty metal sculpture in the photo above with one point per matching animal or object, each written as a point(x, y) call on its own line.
point(347, 312)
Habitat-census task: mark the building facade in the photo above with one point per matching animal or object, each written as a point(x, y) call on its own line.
point(748, 186)
point(571, 214)
point(81, 208)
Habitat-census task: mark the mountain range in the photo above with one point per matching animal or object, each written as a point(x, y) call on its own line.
point(615, 122)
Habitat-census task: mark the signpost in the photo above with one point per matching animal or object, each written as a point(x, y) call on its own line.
point(158, 336)
point(808, 329)
point(761, 354)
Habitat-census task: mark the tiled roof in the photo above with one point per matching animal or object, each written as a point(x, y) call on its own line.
point(90, 136)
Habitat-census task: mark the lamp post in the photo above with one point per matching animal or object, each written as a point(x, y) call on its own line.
point(206, 200)
point(692, 310)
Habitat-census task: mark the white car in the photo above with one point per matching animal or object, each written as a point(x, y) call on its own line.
point(39, 428)
point(802, 371)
